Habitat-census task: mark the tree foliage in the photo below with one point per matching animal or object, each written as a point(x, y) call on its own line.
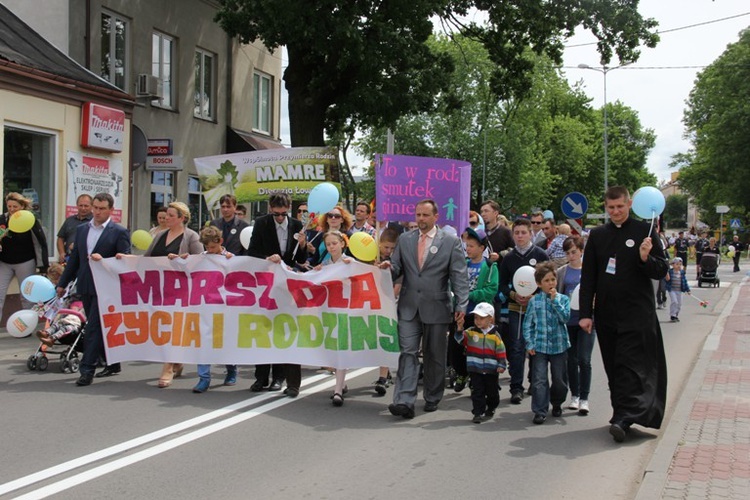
point(538, 148)
point(366, 63)
point(717, 120)
point(675, 211)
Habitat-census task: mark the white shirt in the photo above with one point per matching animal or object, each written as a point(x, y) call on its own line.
point(95, 233)
point(282, 233)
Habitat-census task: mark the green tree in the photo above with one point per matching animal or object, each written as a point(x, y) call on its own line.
point(717, 120)
point(366, 63)
point(675, 211)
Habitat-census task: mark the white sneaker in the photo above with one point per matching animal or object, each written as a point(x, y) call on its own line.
point(574, 402)
point(583, 407)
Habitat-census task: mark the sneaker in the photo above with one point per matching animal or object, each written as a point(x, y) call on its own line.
point(202, 385)
point(477, 419)
point(489, 414)
point(516, 398)
point(230, 379)
point(556, 411)
point(381, 386)
point(539, 419)
point(460, 383)
point(574, 402)
point(673, 319)
point(583, 408)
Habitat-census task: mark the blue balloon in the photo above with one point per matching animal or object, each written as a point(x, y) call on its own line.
point(37, 289)
point(648, 202)
point(322, 198)
point(547, 214)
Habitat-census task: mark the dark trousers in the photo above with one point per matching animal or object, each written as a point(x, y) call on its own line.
point(515, 349)
point(456, 354)
point(93, 343)
point(579, 361)
point(736, 260)
point(263, 371)
point(485, 394)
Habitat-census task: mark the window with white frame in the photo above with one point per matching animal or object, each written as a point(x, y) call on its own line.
point(199, 213)
point(115, 55)
point(162, 191)
point(204, 85)
point(262, 103)
point(162, 52)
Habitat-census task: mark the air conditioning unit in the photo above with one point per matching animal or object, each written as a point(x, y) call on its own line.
point(149, 86)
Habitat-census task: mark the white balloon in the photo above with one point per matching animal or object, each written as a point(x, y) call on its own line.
point(731, 248)
point(575, 302)
point(22, 323)
point(245, 236)
point(524, 282)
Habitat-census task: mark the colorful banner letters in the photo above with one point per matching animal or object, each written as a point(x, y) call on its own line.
point(209, 309)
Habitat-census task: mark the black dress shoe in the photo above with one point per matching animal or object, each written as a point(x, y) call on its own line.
point(516, 398)
point(85, 379)
point(618, 431)
point(429, 406)
point(257, 386)
point(291, 392)
point(109, 371)
point(401, 410)
point(275, 385)
point(556, 411)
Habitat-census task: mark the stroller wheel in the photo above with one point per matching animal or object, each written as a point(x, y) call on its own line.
point(65, 366)
point(74, 364)
point(31, 362)
point(42, 363)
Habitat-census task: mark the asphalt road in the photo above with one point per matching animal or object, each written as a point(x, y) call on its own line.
point(125, 438)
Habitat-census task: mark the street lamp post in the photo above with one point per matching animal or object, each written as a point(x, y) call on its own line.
point(604, 70)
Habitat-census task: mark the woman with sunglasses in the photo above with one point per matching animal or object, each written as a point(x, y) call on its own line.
point(336, 219)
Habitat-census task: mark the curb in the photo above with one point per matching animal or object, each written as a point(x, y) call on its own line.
point(656, 473)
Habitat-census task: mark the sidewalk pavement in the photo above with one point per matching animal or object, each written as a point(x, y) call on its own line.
point(705, 450)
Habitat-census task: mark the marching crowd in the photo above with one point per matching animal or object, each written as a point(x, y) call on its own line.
point(460, 311)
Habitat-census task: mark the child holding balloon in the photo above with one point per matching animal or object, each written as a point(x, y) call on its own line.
point(335, 244)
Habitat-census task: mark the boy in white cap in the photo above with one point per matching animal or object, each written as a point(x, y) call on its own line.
point(485, 359)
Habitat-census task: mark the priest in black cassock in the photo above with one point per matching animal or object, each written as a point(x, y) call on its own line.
point(619, 262)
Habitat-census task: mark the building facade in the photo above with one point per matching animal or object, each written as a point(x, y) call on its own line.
point(198, 92)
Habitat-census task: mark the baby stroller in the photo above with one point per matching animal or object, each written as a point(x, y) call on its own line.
point(67, 347)
point(709, 270)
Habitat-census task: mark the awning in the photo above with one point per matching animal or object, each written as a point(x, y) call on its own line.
point(239, 141)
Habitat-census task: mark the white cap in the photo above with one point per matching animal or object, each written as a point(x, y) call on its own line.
point(484, 309)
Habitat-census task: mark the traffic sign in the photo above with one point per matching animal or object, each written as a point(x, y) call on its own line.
point(574, 205)
point(576, 226)
point(735, 224)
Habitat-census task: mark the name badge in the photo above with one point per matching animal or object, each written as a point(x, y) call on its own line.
point(611, 265)
point(233, 231)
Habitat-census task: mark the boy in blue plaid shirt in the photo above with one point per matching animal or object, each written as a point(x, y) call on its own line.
point(546, 338)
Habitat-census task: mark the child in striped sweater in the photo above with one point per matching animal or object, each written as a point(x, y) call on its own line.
point(485, 359)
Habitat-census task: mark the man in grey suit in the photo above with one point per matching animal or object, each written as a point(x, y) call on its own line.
point(432, 264)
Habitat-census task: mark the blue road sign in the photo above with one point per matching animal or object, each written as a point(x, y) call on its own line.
point(735, 224)
point(574, 205)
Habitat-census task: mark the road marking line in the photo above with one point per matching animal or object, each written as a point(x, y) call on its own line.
point(142, 440)
point(120, 463)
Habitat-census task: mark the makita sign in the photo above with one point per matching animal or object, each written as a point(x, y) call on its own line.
point(102, 127)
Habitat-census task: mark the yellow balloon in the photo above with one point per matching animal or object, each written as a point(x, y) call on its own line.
point(363, 246)
point(730, 255)
point(141, 239)
point(21, 221)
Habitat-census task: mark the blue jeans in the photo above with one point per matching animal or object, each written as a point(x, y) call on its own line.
point(542, 393)
point(204, 371)
point(515, 350)
point(579, 361)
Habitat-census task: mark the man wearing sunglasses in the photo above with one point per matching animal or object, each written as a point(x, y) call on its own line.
point(277, 237)
point(538, 237)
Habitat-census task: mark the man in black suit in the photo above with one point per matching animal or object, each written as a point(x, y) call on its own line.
point(272, 233)
point(98, 239)
point(231, 226)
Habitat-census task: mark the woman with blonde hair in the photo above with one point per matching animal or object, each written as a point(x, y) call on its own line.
point(177, 239)
point(20, 253)
point(336, 219)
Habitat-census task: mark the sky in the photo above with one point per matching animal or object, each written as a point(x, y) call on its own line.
point(656, 86)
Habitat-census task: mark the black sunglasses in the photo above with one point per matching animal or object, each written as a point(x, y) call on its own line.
point(333, 216)
point(301, 211)
point(473, 223)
